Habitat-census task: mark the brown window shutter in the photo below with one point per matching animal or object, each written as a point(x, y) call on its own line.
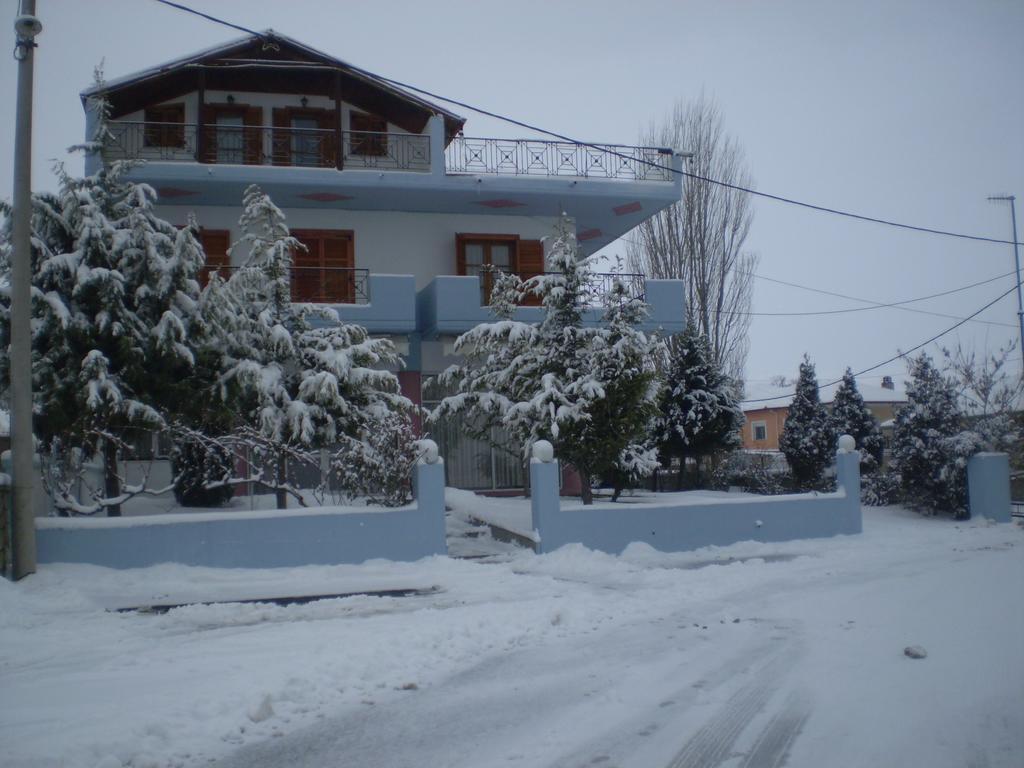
point(338, 277)
point(280, 142)
point(326, 121)
point(216, 243)
point(253, 141)
point(460, 254)
point(209, 131)
point(530, 264)
point(323, 272)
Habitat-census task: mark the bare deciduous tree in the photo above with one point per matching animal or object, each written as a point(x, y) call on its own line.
point(700, 238)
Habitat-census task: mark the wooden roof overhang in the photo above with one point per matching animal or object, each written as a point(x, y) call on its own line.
point(272, 64)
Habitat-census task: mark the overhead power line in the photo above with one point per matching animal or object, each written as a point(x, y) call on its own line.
point(208, 17)
point(901, 305)
point(569, 139)
point(898, 356)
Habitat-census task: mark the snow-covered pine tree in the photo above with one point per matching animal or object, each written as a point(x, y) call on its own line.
point(113, 291)
point(617, 440)
point(851, 417)
point(700, 415)
point(298, 386)
point(929, 451)
point(590, 390)
point(808, 439)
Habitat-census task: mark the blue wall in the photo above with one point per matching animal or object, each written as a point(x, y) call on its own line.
point(267, 539)
point(676, 528)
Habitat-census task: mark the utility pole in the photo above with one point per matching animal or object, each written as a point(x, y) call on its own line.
point(23, 530)
point(1016, 261)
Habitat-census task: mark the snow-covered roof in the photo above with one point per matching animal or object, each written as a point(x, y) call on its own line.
point(760, 395)
point(270, 36)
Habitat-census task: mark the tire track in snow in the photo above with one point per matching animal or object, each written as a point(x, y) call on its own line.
point(771, 748)
point(712, 744)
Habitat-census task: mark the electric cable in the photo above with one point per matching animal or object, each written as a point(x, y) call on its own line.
point(612, 151)
point(898, 356)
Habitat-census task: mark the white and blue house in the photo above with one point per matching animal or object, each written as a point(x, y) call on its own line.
point(401, 210)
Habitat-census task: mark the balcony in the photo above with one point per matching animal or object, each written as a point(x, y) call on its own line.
point(262, 145)
point(600, 283)
point(383, 304)
point(526, 157)
point(607, 189)
point(316, 285)
point(452, 304)
point(318, 148)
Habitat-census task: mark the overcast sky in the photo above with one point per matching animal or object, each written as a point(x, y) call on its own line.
point(901, 109)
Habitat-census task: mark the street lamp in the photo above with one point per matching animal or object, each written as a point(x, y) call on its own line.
point(1016, 261)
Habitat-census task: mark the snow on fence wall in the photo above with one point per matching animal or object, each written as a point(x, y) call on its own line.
point(260, 539)
point(680, 527)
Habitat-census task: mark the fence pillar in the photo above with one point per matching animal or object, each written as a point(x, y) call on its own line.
point(428, 486)
point(988, 486)
point(543, 488)
point(848, 478)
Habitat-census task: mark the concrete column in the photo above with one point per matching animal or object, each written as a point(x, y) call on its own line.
point(435, 127)
point(428, 487)
point(988, 486)
point(848, 478)
point(544, 500)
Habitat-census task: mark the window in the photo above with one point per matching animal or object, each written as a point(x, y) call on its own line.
point(323, 272)
point(215, 245)
point(165, 126)
point(230, 138)
point(759, 430)
point(482, 255)
point(369, 135)
point(232, 133)
point(304, 136)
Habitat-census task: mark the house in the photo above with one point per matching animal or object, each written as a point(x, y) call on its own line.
point(766, 413)
point(401, 211)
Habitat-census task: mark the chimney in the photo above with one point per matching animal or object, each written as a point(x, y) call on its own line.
point(887, 383)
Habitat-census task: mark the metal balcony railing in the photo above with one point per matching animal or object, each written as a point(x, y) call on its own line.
point(633, 285)
point(526, 157)
point(266, 145)
point(316, 285)
point(319, 148)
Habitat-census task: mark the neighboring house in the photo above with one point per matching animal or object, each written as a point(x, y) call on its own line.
point(401, 213)
point(766, 415)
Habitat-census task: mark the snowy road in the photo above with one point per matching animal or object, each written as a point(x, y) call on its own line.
point(752, 655)
point(806, 677)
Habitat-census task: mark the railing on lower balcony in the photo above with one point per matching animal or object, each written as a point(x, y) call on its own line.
point(316, 285)
point(526, 157)
point(265, 145)
point(600, 284)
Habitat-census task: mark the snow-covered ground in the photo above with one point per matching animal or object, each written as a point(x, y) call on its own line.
point(750, 655)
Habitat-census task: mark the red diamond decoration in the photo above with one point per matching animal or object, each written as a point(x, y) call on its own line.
point(501, 203)
point(325, 197)
point(169, 192)
point(622, 210)
point(588, 234)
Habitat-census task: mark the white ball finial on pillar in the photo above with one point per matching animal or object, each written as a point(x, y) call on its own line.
point(428, 451)
point(543, 451)
point(847, 444)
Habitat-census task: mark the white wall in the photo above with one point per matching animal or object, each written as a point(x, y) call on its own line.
point(389, 242)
